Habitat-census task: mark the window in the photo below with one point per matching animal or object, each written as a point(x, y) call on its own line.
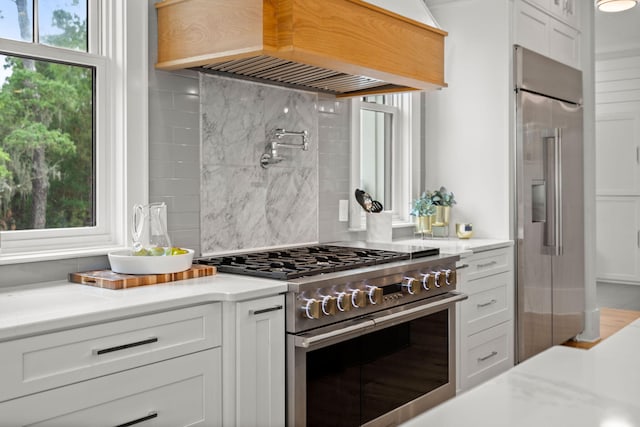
point(72, 93)
point(386, 155)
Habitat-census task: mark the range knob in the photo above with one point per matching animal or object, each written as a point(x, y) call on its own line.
point(411, 285)
point(375, 294)
point(358, 298)
point(343, 301)
point(329, 305)
point(450, 277)
point(428, 280)
point(312, 308)
point(439, 278)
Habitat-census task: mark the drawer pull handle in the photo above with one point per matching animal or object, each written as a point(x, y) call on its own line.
point(140, 420)
point(487, 304)
point(265, 310)
point(487, 264)
point(462, 266)
point(125, 346)
point(488, 356)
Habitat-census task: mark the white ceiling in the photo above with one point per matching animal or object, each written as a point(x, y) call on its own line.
point(617, 31)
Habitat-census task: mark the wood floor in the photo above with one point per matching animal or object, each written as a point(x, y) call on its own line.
point(611, 321)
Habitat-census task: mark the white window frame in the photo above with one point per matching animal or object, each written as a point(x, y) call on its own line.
point(121, 134)
point(406, 147)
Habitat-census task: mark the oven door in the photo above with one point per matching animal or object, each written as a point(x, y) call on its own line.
point(381, 369)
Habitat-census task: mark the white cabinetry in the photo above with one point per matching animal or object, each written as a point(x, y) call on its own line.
point(550, 28)
point(618, 151)
point(184, 391)
point(618, 169)
point(618, 239)
point(260, 370)
point(163, 366)
point(486, 326)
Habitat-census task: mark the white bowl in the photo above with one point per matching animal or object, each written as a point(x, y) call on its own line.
point(123, 262)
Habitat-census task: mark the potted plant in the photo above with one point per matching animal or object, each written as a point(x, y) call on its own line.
point(443, 200)
point(423, 209)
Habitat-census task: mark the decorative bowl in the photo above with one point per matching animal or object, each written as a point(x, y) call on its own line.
point(122, 261)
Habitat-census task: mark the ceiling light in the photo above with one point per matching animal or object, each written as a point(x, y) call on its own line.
point(615, 5)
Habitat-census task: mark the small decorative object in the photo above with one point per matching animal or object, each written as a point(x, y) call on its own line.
point(464, 230)
point(443, 200)
point(423, 209)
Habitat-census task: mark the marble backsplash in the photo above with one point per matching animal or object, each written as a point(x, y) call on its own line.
point(243, 205)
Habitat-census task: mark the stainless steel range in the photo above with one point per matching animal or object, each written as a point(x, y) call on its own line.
point(370, 331)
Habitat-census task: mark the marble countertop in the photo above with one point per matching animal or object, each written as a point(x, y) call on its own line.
point(44, 307)
point(561, 386)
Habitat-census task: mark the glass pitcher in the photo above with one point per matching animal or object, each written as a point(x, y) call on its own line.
point(149, 230)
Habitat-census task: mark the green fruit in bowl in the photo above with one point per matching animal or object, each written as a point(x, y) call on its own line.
point(141, 252)
point(156, 251)
point(178, 251)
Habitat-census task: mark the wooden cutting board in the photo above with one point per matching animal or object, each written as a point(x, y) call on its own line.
point(110, 280)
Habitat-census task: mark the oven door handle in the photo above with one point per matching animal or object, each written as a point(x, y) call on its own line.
point(403, 316)
point(336, 336)
point(371, 323)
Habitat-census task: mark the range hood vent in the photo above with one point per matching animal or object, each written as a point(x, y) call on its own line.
point(342, 47)
point(288, 73)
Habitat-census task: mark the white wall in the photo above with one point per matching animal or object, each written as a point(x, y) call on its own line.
point(468, 127)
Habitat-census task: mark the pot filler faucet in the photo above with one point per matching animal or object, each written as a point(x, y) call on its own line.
point(271, 154)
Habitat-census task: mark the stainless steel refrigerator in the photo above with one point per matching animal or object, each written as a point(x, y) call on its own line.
point(550, 198)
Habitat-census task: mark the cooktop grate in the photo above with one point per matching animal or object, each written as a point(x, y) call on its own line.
point(297, 262)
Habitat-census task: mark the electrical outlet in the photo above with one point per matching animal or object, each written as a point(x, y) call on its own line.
point(343, 211)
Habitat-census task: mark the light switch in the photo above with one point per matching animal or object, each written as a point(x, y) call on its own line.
point(343, 211)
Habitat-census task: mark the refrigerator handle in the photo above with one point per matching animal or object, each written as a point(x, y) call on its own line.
point(557, 203)
point(553, 227)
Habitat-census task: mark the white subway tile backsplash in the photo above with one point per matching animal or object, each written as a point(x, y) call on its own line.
point(186, 102)
point(187, 136)
point(170, 186)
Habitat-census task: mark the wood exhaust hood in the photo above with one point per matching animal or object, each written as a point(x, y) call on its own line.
point(342, 47)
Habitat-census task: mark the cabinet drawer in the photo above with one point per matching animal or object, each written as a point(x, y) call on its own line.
point(51, 360)
point(486, 354)
point(484, 264)
point(490, 302)
point(185, 391)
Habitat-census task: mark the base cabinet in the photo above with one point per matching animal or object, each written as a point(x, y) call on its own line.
point(486, 321)
point(260, 362)
point(184, 391)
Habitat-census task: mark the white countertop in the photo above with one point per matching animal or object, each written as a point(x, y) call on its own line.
point(44, 307)
point(560, 387)
point(455, 246)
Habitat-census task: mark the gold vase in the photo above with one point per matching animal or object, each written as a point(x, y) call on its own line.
point(441, 217)
point(423, 224)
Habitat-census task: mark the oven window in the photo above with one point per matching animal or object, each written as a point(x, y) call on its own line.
point(354, 382)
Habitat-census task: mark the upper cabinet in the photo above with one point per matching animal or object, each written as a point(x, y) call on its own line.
point(551, 28)
point(343, 47)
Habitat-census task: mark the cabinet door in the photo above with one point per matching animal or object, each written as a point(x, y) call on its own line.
point(55, 359)
point(618, 239)
point(618, 154)
point(564, 43)
point(185, 391)
point(532, 28)
point(260, 362)
point(490, 303)
point(547, 35)
point(567, 11)
point(486, 354)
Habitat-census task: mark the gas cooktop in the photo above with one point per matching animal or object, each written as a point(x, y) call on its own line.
point(291, 263)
